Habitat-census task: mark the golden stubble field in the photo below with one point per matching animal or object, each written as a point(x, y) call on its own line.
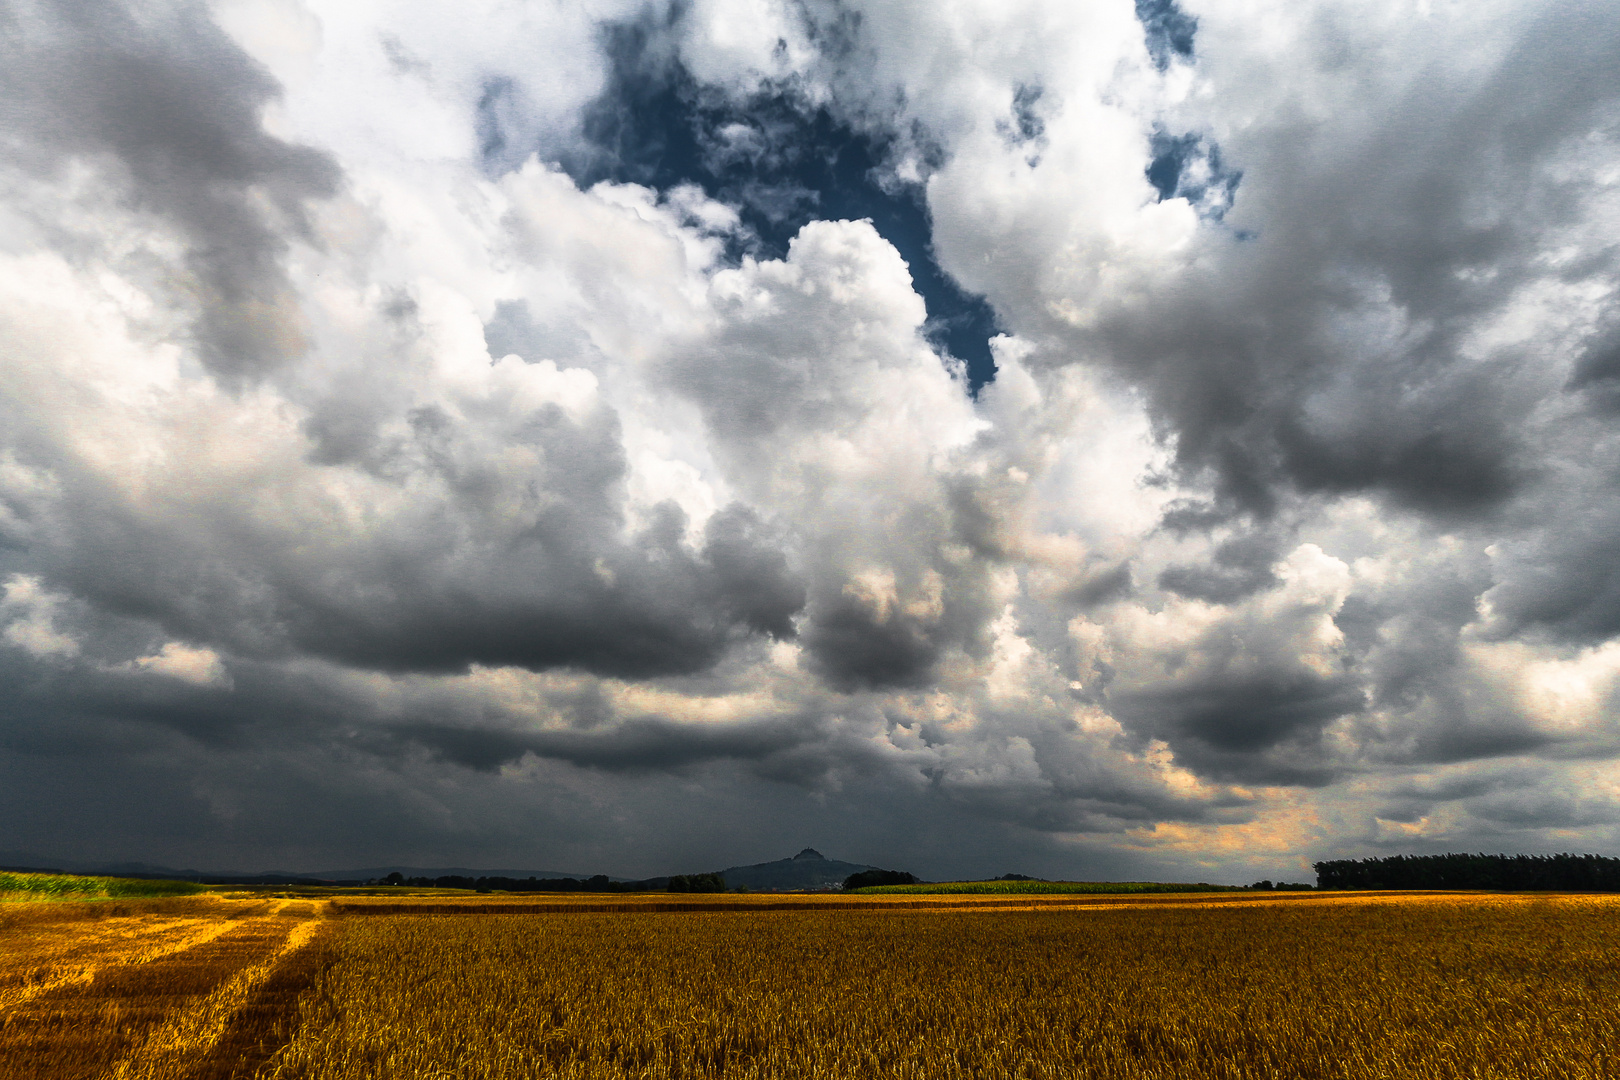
point(1350, 985)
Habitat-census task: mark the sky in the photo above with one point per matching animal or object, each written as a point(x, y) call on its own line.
point(1170, 440)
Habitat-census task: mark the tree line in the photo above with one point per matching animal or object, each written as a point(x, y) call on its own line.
point(598, 883)
point(601, 883)
point(866, 879)
point(1517, 873)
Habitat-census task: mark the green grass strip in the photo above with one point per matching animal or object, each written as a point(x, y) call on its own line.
point(75, 886)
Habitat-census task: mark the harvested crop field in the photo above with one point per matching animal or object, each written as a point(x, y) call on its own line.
point(1345, 985)
point(194, 988)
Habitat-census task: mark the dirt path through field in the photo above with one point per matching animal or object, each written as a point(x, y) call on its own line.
point(197, 1011)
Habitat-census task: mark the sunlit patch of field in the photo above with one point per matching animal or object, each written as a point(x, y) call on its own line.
point(49, 945)
point(1427, 987)
point(1224, 985)
point(150, 990)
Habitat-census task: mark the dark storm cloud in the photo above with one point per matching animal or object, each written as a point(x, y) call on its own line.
point(860, 635)
point(1472, 737)
point(1242, 566)
point(857, 646)
point(559, 597)
point(644, 745)
point(1412, 650)
point(1258, 729)
point(1416, 634)
point(1545, 810)
point(174, 105)
point(752, 576)
point(1514, 798)
point(1102, 586)
point(893, 633)
point(1564, 582)
point(1597, 372)
point(1434, 436)
point(1428, 791)
point(1077, 792)
point(1434, 220)
point(531, 570)
point(78, 709)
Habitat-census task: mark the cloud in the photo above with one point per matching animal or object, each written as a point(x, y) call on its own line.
point(201, 667)
point(30, 617)
point(1156, 439)
point(164, 107)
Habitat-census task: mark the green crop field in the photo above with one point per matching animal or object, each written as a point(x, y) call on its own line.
point(18, 886)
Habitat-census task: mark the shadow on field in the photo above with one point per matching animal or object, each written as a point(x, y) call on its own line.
point(270, 1018)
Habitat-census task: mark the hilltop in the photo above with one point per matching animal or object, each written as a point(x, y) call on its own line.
point(809, 869)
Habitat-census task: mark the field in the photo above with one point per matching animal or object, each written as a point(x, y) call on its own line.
point(1029, 888)
point(75, 886)
point(418, 986)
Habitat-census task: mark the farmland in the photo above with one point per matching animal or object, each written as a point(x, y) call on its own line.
point(76, 886)
point(417, 985)
point(1029, 887)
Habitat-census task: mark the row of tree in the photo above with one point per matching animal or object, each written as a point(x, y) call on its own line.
point(1561, 873)
point(697, 883)
point(866, 879)
point(599, 883)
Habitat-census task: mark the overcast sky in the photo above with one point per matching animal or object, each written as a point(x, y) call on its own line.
point(971, 436)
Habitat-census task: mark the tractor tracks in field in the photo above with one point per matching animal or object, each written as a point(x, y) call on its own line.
point(212, 1008)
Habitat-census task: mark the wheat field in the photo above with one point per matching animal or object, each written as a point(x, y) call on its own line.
point(1346, 985)
point(154, 990)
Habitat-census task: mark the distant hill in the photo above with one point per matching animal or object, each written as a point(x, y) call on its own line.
point(809, 869)
point(30, 861)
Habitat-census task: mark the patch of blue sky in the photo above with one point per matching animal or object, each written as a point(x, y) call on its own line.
point(780, 161)
point(1168, 29)
point(1190, 167)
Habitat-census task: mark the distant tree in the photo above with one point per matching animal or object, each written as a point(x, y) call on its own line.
point(697, 883)
point(1527, 873)
point(454, 881)
point(396, 878)
point(1263, 883)
point(866, 879)
point(598, 883)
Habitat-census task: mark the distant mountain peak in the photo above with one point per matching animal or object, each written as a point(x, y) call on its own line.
point(809, 853)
